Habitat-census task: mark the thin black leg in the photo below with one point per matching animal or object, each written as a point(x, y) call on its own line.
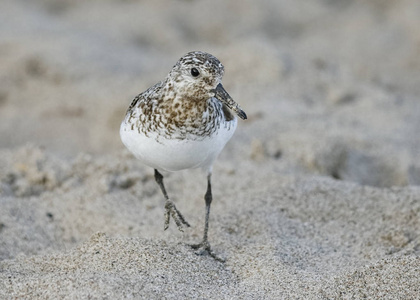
point(170, 208)
point(205, 245)
point(159, 180)
point(208, 198)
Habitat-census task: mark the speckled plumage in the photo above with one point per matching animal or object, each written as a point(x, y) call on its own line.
point(162, 112)
point(182, 122)
point(176, 108)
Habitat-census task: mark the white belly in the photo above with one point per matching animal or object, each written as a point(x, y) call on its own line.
point(175, 154)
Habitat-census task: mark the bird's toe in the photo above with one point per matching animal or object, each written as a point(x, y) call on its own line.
point(171, 210)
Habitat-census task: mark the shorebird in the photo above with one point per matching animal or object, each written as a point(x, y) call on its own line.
point(183, 122)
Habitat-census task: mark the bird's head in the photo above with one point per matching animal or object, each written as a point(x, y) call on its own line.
point(197, 76)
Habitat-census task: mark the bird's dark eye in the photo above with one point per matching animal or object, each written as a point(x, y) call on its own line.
point(194, 72)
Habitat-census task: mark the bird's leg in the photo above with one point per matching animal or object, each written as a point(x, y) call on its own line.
point(170, 208)
point(204, 246)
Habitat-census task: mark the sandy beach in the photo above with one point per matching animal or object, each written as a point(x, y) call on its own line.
point(317, 195)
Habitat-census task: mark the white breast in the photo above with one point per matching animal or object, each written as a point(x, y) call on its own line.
point(176, 154)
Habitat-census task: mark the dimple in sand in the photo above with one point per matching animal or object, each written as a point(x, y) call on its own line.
point(183, 122)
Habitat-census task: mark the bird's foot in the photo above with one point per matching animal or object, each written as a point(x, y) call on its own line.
point(204, 248)
point(171, 210)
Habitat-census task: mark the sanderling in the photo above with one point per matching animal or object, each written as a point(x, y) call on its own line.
point(183, 122)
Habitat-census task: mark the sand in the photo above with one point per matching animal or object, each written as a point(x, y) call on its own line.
point(317, 195)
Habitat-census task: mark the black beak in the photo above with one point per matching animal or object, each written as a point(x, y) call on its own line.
point(224, 97)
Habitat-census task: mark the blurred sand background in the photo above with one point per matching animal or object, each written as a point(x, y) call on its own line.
point(315, 197)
